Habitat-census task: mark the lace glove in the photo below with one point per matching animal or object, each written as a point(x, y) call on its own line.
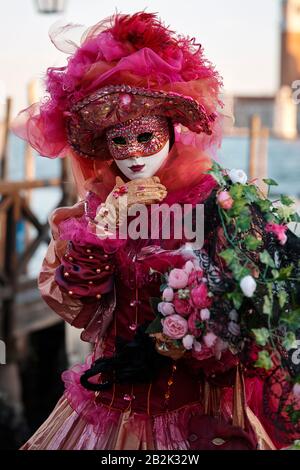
point(112, 213)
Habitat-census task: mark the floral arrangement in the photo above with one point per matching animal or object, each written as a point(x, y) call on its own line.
point(183, 313)
point(256, 298)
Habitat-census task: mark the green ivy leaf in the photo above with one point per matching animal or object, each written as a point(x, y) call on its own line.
point(266, 259)
point(236, 191)
point(228, 255)
point(295, 217)
point(252, 243)
point(238, 208)
point(264, 205)
point(275, 273)
point(155, 326)
point(282, 298)
point(294, 415)
point(216, 172)
point(154, 301)
point(292, 319)
point(250, 193)
point(262, 335)
point(285, 273)
point(295, 445)
point(267, 306)
point(290, 341)
point(264, 360)
point(286, 201)
point(236, 298)
point(163, 287)
point(243, 222)
point(270, 182)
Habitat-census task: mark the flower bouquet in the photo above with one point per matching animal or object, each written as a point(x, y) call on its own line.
point(242, 289)
point(183, 316)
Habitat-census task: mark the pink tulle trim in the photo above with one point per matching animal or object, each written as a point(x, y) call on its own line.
point(83, 401)
point(169, 429)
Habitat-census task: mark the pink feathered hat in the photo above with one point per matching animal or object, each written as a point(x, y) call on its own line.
point(126, 67)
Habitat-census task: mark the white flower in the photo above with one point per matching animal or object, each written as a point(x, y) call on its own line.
point(197, 346)
point(204, 314)
point(238, 176)
point(248, 285)
point(233, 315)
point(168, 294)
point(188, 341)
point(165, 308)
point(296, 390)
point(234, 328)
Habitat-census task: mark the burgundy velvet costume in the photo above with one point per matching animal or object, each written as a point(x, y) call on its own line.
point(156, 415)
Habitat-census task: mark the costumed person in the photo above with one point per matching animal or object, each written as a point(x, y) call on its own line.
point(192, 345)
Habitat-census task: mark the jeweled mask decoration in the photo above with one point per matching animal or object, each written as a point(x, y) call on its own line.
point(88, 119)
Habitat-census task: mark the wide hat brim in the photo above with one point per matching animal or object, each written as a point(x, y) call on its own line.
point(89, 118)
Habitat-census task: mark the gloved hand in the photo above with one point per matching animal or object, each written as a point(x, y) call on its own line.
point(111, 214)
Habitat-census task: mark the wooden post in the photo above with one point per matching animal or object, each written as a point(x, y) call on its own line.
point(255, 128)
point(258, 151)
point(262, 167)
point(29, 165)
point(3, 155)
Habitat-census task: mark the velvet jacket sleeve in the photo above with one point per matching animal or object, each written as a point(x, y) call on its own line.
point(73, 296)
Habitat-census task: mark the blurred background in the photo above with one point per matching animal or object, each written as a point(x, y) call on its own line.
point(255, 44)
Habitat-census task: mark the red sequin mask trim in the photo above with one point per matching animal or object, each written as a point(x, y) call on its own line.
point(139, 137)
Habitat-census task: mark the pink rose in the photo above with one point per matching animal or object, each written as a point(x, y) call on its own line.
point(279, 231)
point(175, 327)
point(189, 267)
point(178, 279)
point(296, 390)
point(168, 294)
point(205, 314)
point(197, 346)
point(219, 347)
point(202, 353)
point(225, 200)
point(199, 296)
point(210, 339)
point(188, 341)
point(195, 277)
point(165, 308)
point(182, 306)
point(193, 319)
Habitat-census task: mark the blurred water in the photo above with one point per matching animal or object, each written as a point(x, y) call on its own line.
point(283, 166)
point(283, 161)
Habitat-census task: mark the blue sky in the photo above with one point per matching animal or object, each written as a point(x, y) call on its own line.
point(242, 37)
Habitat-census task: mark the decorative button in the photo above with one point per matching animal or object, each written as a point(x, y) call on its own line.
point(70, 292)
point(66, 274)
point(128, 397)
point(218, 441)
point(91, 282)
point(91, 257)
point(107, 268)
point(98, 270)
point(134, 303)
point(133, 326)
point(98, 296)
point(88, 250)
